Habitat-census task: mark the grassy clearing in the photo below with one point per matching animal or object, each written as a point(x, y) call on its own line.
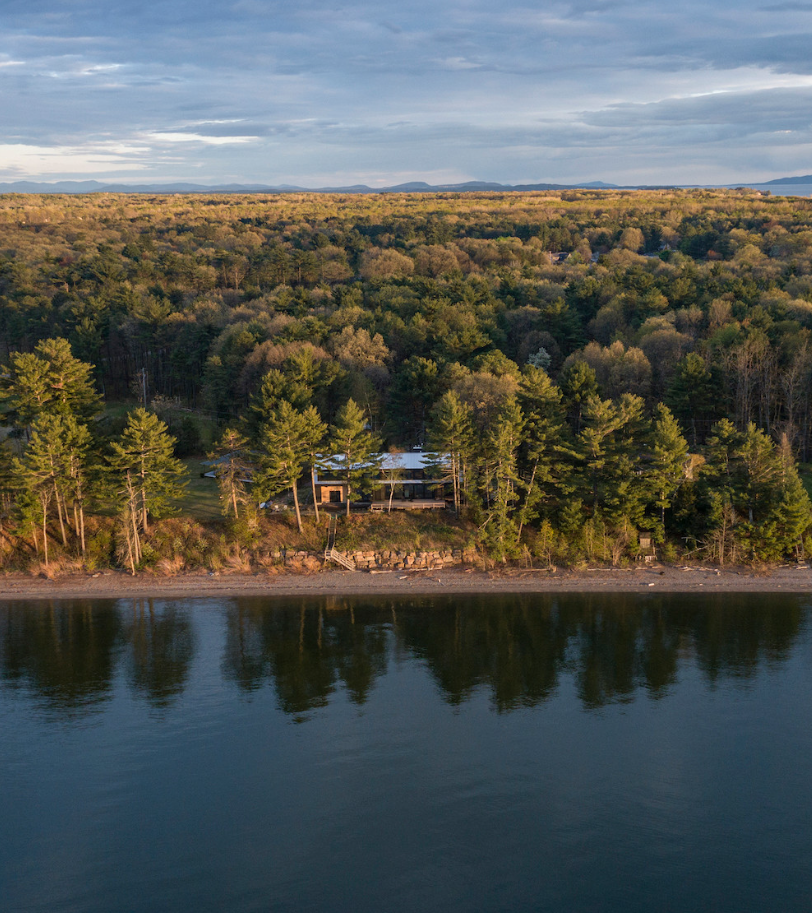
point(404, 531)
point(201, 500)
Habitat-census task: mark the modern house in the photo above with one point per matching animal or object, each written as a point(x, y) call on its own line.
point(403, 481)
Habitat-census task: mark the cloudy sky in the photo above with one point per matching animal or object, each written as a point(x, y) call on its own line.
point(314, 92)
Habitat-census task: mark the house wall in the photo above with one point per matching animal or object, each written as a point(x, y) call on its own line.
point(327, 490)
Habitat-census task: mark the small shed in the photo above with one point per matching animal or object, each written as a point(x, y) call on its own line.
point(648, 551)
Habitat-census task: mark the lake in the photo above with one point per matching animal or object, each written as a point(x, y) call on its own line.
point(574, 753)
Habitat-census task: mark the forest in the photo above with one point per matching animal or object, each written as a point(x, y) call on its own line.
point(591, 365)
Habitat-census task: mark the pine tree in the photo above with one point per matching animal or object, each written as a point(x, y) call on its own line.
point(625, 493)
point(669, 451)
point(143, 458)
point(500, 479)
point(693, 395)
point(793, 512)
point(277, 387)
point(593, 449)
point(286, 443)
point(722, 469)
point(451, 432)
point(355, 448)
point(231, 470)
point(49, 380)
point(761, 471)
point(315, 432)
point(540, 402)
point(53, 471)
point(578, 385)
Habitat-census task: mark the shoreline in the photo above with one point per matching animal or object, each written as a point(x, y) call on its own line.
point(679, 579)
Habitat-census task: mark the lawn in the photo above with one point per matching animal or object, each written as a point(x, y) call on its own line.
point(201, 499)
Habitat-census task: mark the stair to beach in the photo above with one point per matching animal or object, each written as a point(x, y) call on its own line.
point(331, 553)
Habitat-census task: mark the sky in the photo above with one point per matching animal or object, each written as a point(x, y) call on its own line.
point(318, 93)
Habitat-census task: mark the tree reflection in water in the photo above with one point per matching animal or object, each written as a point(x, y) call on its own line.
point(160, 645)
point(516, 648)
point(64, 653)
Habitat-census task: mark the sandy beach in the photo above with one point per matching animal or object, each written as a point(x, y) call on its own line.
point(116, 584)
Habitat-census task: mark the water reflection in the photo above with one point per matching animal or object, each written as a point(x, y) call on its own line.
point(518, 648)
point(304, 650)
point(65, 654)
point(68, 654)
point(160, 647)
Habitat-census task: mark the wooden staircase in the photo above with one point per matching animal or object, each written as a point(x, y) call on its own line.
point(331, 553)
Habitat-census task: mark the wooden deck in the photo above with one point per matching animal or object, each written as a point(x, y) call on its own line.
point(407, 504)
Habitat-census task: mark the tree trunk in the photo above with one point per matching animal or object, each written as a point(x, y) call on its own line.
point(45, 529)
point(144, 513)
point(82, 529)
point(296, 505)
point(61, 519)
point(526, 500)
point(313, 487)
point(455, 482)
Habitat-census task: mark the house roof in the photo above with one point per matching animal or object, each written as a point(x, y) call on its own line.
point(387, 462)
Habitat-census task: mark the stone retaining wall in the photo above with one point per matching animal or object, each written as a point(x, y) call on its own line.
point(388, 559)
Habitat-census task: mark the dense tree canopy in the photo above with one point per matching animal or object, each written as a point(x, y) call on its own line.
point(622, 360)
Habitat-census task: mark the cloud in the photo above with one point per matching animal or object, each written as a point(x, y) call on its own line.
point(260, 90)
point(18, 160)
point(171, 138)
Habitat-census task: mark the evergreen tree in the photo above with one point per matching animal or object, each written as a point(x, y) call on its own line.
point(143, 458)
point(693, 395)
point(793, 511)
point(500, 479)
point(669, 451)
point(286, 441)
point(48, 380)
point(451, 432)
point(232, 469)
point(356, 449)
point(626, 493)
point(608, 458)
point(53, 473)
point(761, 471)
point(276, 388)
point(593, 449)
point(314, 433)
point(722, 468)
point(578, 384)
point(540, 402)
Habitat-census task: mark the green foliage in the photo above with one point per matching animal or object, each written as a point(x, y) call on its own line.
point(420, 309)
point(500, 480)
point(232, 469)
point(144, 455)
point(288, 441)
point(669, 452)
point(451, 432)
point(49, 380)
point(354, 449)
point(52, 477)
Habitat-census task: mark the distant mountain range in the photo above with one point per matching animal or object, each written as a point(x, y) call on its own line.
point(803, 179)
point(410, 187)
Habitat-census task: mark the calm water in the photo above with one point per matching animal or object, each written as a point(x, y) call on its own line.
point(585, 753)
